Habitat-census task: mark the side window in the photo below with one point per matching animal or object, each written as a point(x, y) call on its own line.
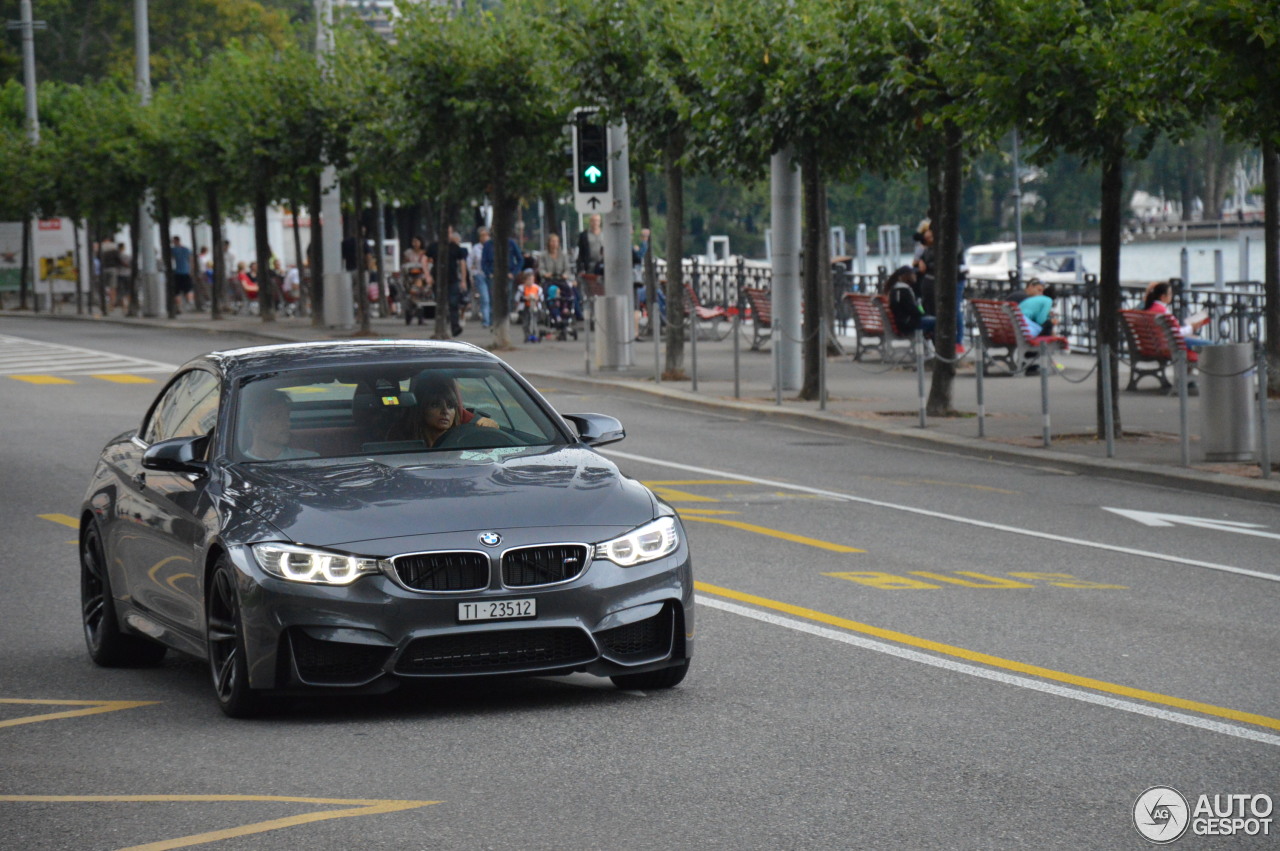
point(189, 407)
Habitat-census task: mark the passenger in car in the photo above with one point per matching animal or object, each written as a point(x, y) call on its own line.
point(269, 430)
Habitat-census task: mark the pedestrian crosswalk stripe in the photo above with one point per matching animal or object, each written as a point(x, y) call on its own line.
point(42, 379)
point(22, 357)
point(120, 378)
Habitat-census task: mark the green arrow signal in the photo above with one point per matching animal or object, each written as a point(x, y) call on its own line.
point(593, 174)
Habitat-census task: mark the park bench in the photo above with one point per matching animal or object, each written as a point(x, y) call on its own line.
point(1152, 339)
point(868, 322)
point(761, 313)
point(1003, 326)
point(721, 326)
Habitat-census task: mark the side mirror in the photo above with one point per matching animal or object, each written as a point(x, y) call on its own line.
point(597, 429)
point(177, 455)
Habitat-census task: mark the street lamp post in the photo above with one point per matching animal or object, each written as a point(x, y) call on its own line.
point(339, 311)
point(28, 28)
point(152, 281)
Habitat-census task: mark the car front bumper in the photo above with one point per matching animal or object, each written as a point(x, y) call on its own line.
point(373, 634)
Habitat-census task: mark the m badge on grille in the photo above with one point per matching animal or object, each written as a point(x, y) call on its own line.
point(490, 539)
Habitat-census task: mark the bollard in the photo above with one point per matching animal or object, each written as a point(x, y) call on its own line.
point(591, 324)
point(1264, 445)
point(822, 366)
point(777, 363)
point(1180, 367)
point(691, 322)
point(919, 347)
point(655, 328)
point(982, 407)
point(1108, 413)
point(1044, 393)
point(737, 326)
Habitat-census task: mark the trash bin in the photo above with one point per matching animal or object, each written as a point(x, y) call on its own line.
point(1228, 430)
point(614, 331)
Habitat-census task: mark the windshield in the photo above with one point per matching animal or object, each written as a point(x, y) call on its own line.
point(384, 409)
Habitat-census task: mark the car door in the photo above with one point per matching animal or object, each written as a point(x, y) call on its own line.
point(170, 510)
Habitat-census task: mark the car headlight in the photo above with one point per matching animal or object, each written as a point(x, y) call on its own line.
point(651, 541)
point(301, 564)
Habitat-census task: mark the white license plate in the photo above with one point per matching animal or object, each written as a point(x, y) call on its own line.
point(498, 610)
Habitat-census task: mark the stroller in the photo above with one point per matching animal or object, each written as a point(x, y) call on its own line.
point(559, 308)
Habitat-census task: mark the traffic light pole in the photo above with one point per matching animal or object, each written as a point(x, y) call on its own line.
point(616, 335)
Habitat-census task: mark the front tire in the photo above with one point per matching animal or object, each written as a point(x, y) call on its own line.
point(652, 680)
point(228, 665)
point(108, 645)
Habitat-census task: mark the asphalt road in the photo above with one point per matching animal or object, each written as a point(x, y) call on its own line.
point(896, 648)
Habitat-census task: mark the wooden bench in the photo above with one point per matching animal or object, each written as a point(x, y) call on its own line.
point(1003, 326)
point(1152, 338)
point(705, 314)
point(761, 305)
point(868, 322)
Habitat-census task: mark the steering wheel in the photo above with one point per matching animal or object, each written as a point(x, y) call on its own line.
point(475, 437)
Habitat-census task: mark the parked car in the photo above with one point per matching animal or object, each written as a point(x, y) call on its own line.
point(995, 261)
point(347, 516)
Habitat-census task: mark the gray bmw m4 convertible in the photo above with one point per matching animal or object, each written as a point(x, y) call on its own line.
point(344, 517)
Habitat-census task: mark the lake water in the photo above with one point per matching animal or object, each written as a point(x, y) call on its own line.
point(1144, 261)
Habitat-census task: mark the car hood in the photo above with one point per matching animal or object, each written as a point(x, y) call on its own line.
point(343, 500)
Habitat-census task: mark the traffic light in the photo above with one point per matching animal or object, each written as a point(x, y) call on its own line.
point(591, 153)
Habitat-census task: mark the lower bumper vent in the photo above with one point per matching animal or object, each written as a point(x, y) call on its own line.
point(492, 652)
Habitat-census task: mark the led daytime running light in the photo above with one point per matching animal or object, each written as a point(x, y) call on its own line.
point(651, 541)
point(301, 564)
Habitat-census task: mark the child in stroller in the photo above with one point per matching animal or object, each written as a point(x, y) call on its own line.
point(559, 299)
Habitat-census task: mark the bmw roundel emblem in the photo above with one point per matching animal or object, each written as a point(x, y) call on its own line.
point(490, 539)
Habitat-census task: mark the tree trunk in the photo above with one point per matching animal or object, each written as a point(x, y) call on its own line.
point(166, 254)
point(101, 276)
point(674, 368)
point(378, 229)
point(134, 263)
point(197, 274)
point(946, 227)
point(314, 283)
point(362, 265)
point(26, 280)
point(811, 260)
point(219, 258)
point(75, 235)
point(1271, 260)
point(646, 223)
point(500, 286)
point(1109, 280)
point(440, 269)
point(262, 249)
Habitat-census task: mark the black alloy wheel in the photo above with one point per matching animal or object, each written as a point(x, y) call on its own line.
point(108, 645)
point(652, 680)
point(227, 663)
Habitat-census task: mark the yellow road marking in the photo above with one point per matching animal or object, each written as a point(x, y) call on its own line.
point(992, 661)
point(95, 707)
point(122, 378)
point(42, 379)
point(64, 519)
point(673, 495)
point(688, 482)
point(775, 533)
point(356, 807)
point(702, 511)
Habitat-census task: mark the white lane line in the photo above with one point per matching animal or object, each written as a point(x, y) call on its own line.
point(989, 674)
point(968, 521)
point(19, 354)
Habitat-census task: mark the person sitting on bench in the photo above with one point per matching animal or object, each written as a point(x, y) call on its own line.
point(904, 302)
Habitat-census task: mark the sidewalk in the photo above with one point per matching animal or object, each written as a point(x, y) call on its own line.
point(865, 398)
